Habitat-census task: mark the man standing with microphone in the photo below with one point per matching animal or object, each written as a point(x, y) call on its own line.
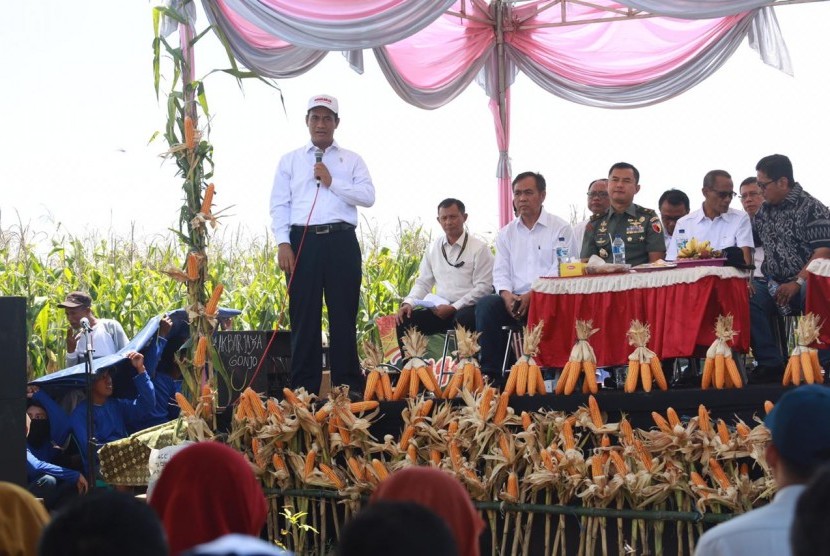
point(317, 189)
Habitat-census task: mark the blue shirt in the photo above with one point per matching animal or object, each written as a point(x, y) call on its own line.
point(36, 468)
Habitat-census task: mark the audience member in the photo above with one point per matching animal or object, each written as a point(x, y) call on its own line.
point(104, 523)
point(206, 491)
point(53, 483)
point(22, 518)
point(524, 252)
point(809, 535)
point(793, 454)
point(49, 432)
point(715, 222)
point(164, 385)
point(751, 199)
point(236, 545)
point(441, 493)
point(598, 203)
point(638, 227)
point(673, 205)
point(794, 229)
point(107, 335)
point(460, 268)
point(111, 416)
point(400, 528)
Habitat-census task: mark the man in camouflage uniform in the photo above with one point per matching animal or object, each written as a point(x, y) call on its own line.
point(639, 227)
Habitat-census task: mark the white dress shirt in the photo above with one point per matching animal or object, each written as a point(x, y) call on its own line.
point(523, 255)
point(730, 229)
point(295, 188)
point(461, 285)
point(579, 234)
point(758, 260)
point(761, 532)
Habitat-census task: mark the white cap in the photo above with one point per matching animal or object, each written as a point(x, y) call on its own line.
point(326, 101)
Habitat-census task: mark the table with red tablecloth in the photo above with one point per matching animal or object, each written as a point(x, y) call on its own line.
point(680, 305)
point(818, 296)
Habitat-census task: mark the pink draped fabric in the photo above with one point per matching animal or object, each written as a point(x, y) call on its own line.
point(435, 54)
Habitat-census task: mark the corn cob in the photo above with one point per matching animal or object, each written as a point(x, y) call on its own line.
point(657, 374)
point(291, 397)
point(796, 371)
point(309, 463)
point(255, 404)
point(531, 380)
point(590, 369)
point(484, 403)
point(322, 413)
point(414, 384)
point(213, 302)
point(402, 385)
point(512, 377)
point(626, 432)
point(708, 372)
point(596, 468)
point(279, 463)
point(618, 462)
point(501, 409)
point(703, 419)
point(412, 453)
point(455, 455)
point(661, 423)
point(768, 405)
point(788, 373)
point(744, 470)
point(568, 435)
point(573, 377)
point(345, 434)
point(513, 485)
point(192, 266)
point(380, 469)
point(674, 420)
point(645, 376)
point(547, 461)
point(332, 476)
point(242, 410)
point(541, 388)
point(593, 409)
point(697, 480)
point(361, 407)
point(469, 378)
point(435, 457)
point(356, 468)
point(452, 429)
point(386, 384)
point(207, 400)
point(632, 376)
point(563, 379)
point(407, 435)
point(742, 429)
point(428, 380)
point(454, 385)
point(478, 380)
point(526, 419)
point(189, 133)
point(733, 373)
point(718, 473)
point(371, 383)
point(273, 408)
point(645, 455)
point(723, 432)
point(815, 365)
point(521, 378)
point(185, 405)
point(807, 367)
point(720, 369)
point(207, 201)
point(200, 354)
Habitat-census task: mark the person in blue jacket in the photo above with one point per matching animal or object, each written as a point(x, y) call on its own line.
point(49, 431)
point(53, 483)
point(111, 415)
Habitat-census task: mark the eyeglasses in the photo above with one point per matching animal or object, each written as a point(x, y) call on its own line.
point(749, 195)
point(763, 185)
point(598, 195)
point(724, 194)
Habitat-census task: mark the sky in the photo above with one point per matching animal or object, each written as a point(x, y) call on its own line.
point(77, 109)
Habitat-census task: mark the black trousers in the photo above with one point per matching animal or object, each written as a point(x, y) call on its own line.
point(329, 266)
point(428, 323)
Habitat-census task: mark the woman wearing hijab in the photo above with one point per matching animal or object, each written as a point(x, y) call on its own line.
point(22, 519)
point(441, 493)
point(206, 491)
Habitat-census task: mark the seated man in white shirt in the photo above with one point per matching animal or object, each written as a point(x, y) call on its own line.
point(459, 267)
point(108, 335)
point(715, 222)
point(673, 205)
point(794, 455)
point(525, 250)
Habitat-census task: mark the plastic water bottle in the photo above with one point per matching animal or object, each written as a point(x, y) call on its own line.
point(562, 251)
point(682, 240)
point(618, 250)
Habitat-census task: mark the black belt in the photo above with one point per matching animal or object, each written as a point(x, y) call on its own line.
point(326, 228)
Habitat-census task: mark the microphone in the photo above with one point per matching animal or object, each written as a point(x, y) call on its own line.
point(318, 158)
point(85, 324)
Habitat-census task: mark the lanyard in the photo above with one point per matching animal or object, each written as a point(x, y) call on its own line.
point(463, 246)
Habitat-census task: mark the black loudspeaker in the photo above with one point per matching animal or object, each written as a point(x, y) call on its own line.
point(243, 352)
point(13, 390)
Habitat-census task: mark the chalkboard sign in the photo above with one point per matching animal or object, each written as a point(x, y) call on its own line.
point(242, 352)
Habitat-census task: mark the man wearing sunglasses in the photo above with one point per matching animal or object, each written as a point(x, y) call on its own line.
point(459, 267)
point(715, 222)
point(794, 229)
